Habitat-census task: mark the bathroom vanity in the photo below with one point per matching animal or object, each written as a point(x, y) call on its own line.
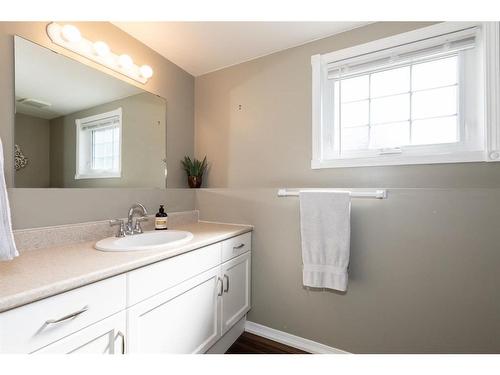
point(65, 296)
point(188, 299)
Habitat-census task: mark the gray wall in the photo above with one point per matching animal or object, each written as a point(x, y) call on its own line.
point(47, 207)
point(32, 134)
point(143, 144)
point(424, 271)
point(169, 81)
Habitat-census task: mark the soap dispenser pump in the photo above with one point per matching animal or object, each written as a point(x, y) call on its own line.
point(161, 220)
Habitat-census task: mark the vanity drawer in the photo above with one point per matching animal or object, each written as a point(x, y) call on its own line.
point(155, 278)
point(33, 326)
point(236, 246)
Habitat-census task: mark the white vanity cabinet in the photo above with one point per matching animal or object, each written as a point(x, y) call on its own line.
point(183, 304)
point(183, 319)
point(195, 314)
point(104, 337)
point(31, 327)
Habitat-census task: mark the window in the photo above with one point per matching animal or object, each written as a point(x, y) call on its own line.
point(98, 153)
point(408, 105)
point(412, 98)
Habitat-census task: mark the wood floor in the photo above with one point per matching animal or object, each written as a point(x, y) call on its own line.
point(249, 343)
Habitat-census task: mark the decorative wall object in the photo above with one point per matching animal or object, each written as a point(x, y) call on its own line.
point(20, 161)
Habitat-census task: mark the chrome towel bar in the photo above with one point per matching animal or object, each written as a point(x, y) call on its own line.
point(378, 194)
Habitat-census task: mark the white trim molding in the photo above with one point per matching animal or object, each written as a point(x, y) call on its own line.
point(482, 118)
point(291, 340)
point(492, 89)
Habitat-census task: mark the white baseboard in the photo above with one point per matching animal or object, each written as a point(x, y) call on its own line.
point(291, 340)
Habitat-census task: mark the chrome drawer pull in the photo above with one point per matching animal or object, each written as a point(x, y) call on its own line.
point(227, 285)
point(221, 290)
point(66, 317)
point(120, 334)
point(239, 246)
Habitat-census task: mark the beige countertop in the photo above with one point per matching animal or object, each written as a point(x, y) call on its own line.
point(43, 273)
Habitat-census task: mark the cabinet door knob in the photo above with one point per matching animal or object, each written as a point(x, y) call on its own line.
point(67, 317)
point(238, 246)
point(227, 283)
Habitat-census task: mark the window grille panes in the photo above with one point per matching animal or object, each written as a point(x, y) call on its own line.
point(415, 104)
point(105, 148)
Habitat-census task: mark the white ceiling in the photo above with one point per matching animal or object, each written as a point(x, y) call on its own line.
point(202, 47)
point(68, 85)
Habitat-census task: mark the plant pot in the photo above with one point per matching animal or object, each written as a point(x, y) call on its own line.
point(194, 182)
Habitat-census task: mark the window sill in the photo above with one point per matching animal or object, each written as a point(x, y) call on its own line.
point(386, 160)
point(94, 176)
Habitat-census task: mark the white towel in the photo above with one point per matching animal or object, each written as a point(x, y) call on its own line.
point(325, 227)
point(8, 248)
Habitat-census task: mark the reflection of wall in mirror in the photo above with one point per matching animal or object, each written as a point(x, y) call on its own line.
point(144, 117)
point(33, 136)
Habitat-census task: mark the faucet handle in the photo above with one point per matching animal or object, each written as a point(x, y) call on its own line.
point(121, 230)
point(137, 227)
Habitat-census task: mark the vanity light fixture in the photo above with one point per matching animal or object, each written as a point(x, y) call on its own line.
point(125, 61)
point(71, 34)
point(101, 49)
point(146, 71)
point(69, 37)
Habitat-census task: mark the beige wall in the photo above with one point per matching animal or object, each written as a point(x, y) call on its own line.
point(47, 207)
point(268, 142)
point(423, 273)
point(143, 144)
point(169, 82)
point(32, 134)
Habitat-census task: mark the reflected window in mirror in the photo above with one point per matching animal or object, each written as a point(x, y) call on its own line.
point(98, 140)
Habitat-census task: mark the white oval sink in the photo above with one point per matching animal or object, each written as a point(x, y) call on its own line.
point(154, 240)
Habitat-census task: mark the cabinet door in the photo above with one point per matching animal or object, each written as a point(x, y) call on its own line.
point(183, 319)
point(236, 292)
point(104, 337)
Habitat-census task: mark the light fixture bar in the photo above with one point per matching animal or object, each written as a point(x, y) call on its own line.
point(69, 37)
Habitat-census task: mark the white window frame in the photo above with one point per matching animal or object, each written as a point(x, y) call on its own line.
point(104, 173)
point(488, 111)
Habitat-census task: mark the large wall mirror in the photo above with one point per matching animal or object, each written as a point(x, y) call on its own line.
point(78, 127)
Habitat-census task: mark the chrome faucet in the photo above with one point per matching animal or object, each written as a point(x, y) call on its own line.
point(129, 228)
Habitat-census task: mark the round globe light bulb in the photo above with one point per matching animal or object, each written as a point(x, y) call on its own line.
point(101, 49)
point(125, 61)
point(146, 71)
point(71, 33)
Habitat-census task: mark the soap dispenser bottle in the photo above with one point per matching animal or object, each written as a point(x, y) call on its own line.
point(161, 220)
